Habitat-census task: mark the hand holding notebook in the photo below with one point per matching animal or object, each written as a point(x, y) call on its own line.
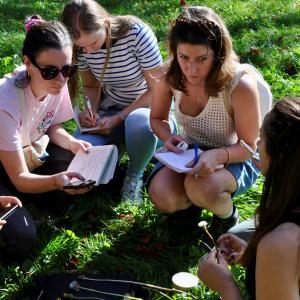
point(178, 161)
point(98, 164)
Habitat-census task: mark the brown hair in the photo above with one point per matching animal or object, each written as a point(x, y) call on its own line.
point(197, 25)
point(281, 191)
point(41, 35)
point(88, 16)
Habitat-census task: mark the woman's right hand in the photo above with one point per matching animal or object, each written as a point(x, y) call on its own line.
point(86, 120)
point(172, 142)
point(64, 178)
point(6, 201)
point(231, 247)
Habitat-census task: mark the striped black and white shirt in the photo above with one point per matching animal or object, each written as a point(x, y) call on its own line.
point(124, 81)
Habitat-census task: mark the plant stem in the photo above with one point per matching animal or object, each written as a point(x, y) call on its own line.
point(150, 286)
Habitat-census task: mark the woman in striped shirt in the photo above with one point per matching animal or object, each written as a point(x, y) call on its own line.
point(116, 57)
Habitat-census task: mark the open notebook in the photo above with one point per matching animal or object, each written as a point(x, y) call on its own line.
point(76, 118)
point(176, 161)
point(98, 164)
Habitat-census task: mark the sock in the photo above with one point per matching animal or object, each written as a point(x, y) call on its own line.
point(230, 214)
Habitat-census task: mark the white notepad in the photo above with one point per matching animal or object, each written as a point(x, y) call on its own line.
point(176, 161)
point(97, 164)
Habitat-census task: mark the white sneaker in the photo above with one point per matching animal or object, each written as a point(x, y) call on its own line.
point(132, 189)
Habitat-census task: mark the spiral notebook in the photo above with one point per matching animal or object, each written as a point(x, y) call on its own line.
point(176, 161)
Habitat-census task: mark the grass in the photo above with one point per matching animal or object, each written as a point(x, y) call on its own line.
point(100, 233)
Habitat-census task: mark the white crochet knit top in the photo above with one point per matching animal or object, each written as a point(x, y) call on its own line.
point(212, 128)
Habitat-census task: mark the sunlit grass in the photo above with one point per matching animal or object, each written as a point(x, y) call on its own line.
point(100, 233)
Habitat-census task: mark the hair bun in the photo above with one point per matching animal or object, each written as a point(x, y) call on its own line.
point(31, 21)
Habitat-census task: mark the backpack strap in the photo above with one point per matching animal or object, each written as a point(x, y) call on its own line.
point(24, 125)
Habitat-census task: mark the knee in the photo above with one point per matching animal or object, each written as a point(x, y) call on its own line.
point(163, 200)
point(137, 122)
point(201, 192)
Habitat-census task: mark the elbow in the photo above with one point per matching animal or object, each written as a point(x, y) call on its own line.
point(21, 188)
point(153, 123)
point(21, 184)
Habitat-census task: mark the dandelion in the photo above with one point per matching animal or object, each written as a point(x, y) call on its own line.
point(203, 224)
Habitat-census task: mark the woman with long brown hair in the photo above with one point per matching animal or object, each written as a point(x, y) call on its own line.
point(205, 79)
point(272, 257)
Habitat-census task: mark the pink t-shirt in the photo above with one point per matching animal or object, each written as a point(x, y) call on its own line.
point(53, 110)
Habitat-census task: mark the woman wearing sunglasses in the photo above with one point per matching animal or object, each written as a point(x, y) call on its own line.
point(34, 102)
point(117, 57)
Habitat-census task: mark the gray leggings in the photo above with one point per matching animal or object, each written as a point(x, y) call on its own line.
point(244, 230)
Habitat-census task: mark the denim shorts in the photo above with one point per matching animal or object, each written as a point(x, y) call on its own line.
point(245, 174)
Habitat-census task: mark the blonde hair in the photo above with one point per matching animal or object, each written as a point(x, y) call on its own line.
point(88, 16)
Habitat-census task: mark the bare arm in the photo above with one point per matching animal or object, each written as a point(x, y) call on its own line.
point(16, 168)
point(218, 277)
point(277, 265)
point(59, 136)
point(26, 182)
point(245, 104)
point(160, 108)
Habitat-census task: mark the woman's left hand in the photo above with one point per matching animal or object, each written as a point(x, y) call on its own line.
point(76, 145)
point(206, 164)
point(215, 275)
point(107, 124)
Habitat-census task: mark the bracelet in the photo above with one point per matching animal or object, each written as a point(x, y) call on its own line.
point(228, 157)
point(55, 183)
point(121, 115)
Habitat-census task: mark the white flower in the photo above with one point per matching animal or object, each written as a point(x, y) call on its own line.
point(202, 224)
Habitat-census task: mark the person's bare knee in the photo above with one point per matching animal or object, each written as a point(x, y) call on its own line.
point(167, 192)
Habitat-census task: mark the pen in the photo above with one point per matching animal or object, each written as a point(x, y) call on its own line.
point(89, 107)
point(196, 153)
point(254, 155)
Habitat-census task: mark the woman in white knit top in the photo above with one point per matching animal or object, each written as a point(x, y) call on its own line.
point(202, 64)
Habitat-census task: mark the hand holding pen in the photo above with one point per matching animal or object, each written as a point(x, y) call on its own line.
point(196, 156)
point(89, 108)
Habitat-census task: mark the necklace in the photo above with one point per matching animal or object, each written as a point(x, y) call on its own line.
point(200, 98)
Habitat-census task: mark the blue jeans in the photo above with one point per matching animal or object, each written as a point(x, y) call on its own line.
point(136, 133)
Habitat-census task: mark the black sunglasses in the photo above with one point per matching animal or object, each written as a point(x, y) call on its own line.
point(49, 73)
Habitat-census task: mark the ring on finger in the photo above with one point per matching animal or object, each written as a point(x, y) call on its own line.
point(196, 176)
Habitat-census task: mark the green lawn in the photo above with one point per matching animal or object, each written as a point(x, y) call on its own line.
point(100, 233)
